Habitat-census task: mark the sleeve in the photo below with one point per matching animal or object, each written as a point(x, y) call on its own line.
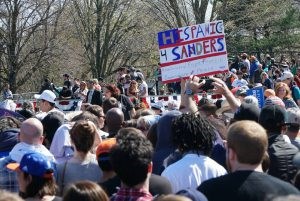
point(296, 93)
point(60, 140)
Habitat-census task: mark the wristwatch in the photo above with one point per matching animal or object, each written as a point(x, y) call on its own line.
point(189, 92)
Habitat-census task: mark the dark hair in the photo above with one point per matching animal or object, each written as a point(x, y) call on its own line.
point(85, 191)
point(193, 133)
point(115, 91)
point(105, 165)
point(109, 103)
point(152, 134)
point(83, 135)
point(131, 156)
point(39, 186)
point(95, 110)
point(130, 123)
point(86, 116)
point(51, 123)
point(51, 104)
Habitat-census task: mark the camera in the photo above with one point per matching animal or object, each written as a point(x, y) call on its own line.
point(207, 85)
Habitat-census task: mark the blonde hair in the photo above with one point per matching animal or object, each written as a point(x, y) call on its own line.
point(288, 93)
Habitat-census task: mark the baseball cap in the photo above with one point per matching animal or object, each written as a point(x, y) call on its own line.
point(34, 164)
point(286, 75)
point(47, 95)
point(274, 100)
point(293, 116)
point(158, 106)
point(251, 100)
point(272, 116)
point(193, 194)
point(247, 112)
point(105, 146)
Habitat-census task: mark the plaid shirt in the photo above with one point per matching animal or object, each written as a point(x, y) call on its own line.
point(129, 194)
point(8, 178)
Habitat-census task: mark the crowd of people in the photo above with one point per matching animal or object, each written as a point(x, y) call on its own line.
point(121, 147)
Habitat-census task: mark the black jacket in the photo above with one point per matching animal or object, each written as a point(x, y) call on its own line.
point(97, 98)
point(281, 156)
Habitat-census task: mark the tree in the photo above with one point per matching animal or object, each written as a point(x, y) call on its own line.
point(28, 31)
point(103, 28)
point(259, 26)
point(179, 13)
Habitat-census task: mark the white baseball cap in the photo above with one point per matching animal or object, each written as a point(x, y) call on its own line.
point(286, 75)
point(47, 95)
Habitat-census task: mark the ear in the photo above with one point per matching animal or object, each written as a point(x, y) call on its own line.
point(41, 139)
point(231, 154)
point(150, 167)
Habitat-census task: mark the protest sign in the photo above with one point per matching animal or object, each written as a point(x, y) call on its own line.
point(198, 50)
point(259, 94)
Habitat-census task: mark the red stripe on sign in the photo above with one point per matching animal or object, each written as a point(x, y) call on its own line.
point(190, 41)
point(193, 59)
point(199, 75)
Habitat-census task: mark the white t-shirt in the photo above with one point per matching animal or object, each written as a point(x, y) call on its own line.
point(61, 144)
point(141, 88)
point(191, 171)
point(239, 83)
point(22, 148)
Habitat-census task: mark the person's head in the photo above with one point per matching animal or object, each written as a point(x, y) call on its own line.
point(90, 84)
point(109, 103)
point(287, 77)
point(66, 76)
point(98, 112)
point(114, 120)
point(145, 122)
point(31, 131)
point(282, 90)
point(51, 123)
point(85, 191)
point(131, 157)
point(88, 116)
point(264, 75)
point(83, 85)
point(111, 91)
point(35, 175)
point(272, 118)
point(27, 105)
point(193, 133)
point(293, 121)
point(103, 154)
point(268, 93)
point(239, 74)
point(247, 142)
point(244, 56)
point(46, 100)
point(83, 135)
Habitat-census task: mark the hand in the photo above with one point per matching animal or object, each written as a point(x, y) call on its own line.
point(220, 86)
point(194, 84)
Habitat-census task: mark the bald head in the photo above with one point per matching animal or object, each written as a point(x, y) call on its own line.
point(114, 120)
point(31, 131)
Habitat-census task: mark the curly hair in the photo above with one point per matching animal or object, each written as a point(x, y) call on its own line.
point(131, 156)
point(191, 132)
point(115, 91)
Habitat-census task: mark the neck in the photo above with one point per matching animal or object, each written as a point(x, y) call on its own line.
point(241, 167)
point(144, 185)
point(80, 156)
point(107, 175)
